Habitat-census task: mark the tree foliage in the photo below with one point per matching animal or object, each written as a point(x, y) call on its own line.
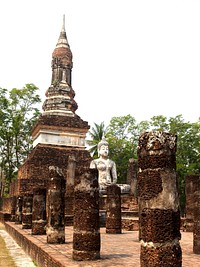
point(122, 146)
point(96, 134)
point(18, 113)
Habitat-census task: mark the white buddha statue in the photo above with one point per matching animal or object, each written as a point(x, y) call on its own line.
point(106, 167)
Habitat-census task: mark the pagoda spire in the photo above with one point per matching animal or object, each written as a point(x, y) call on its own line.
point(62, 40)
point(59, 125)
point(60, 95)
point(63, 26)
point(62, 59)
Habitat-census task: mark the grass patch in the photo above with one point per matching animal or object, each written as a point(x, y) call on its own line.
point(35, 263)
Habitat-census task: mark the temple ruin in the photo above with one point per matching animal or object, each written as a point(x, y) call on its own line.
point(56, 187)
point(59, 144)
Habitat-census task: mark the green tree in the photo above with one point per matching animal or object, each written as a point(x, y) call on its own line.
point(17, 115)
point(122, 143)
point(159, 123)
point(96, 134)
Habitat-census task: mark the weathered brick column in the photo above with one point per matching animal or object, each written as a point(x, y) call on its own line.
point(86, 236)
point(196, 226)
point(113, 210)
point(18, 213)
point(159, 200)
point(191, 182)
point(132, 176)
point(39, 212)
point(13, 208)
point(69, 194)
point(55, 228)
point(27, 211)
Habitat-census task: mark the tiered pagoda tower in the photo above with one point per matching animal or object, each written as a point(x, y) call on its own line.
point(59, 124)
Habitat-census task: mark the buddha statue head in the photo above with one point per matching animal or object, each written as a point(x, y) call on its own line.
point(103, 147)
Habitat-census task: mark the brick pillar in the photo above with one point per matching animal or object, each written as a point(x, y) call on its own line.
point(27, 211)
point(18, 213)
point(13, 208)
point(132, 176)
point(55, 229)
point(69, 195)
point(113, 210)
point(159, 200)
point(196, 227)
point(39, 212)
point(190, 188)
point(86, 236)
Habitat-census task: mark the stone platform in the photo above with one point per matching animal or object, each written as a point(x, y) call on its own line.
point(116, 250)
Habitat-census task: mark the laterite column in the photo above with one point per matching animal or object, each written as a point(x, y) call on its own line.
point(27, 211)
point(86, 236)
point(55, 229)
point(132, 176)
point(39, 212)
point(191, 182)
point(158, 201)
point(69, 193)
point(13, 208)
point(113, 210)
point(196, 227)
point(18, 213)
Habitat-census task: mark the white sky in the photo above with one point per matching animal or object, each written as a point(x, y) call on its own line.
point(130, 57)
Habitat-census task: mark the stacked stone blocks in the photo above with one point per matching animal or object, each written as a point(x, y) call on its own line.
point(113, 210)
point(86, 236)
point(55, 228)
point(158, 200)
point(196, 216)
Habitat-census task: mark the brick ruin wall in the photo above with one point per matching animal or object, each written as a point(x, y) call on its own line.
point(191, 186)
point(35, 171)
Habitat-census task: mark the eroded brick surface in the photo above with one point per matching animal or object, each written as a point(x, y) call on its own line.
point(27, 211)
point(196, 227)
point(113, 210)
point(164, 256)
point(191, 186)
point(55, 228)
point(86, 236)
point(39, 212)
point(160, 226)
point(159, 213)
